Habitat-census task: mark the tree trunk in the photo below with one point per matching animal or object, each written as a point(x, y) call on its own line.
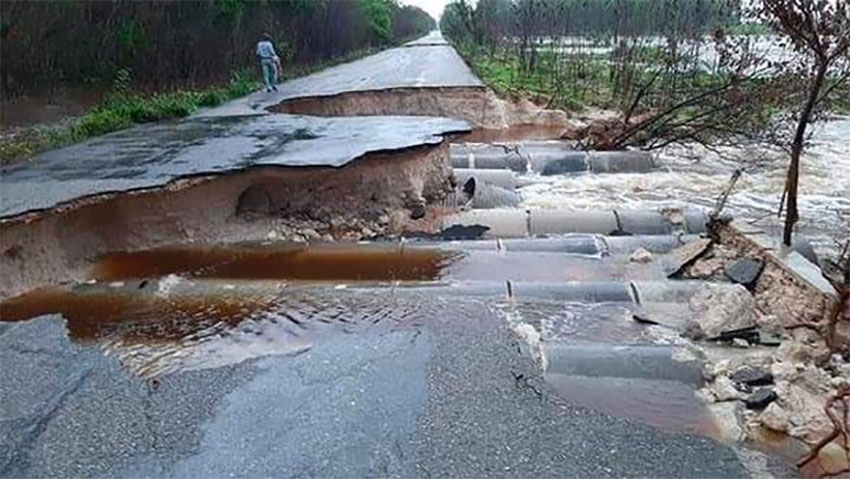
point(791, 215)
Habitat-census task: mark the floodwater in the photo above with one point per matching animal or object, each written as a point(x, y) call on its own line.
point(695, 176)
point(292, 261)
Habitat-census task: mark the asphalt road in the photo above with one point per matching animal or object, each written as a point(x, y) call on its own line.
point(429, 62)
point(448, 394)
point(155, 154)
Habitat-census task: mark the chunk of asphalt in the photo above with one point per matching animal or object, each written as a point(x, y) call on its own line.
point(674, 262)
point(749, 334)
point(752, 376)
point(760, 398)
point(463, 232)
point(744, 271)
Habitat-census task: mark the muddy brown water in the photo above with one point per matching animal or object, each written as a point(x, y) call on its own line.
point(292, 262)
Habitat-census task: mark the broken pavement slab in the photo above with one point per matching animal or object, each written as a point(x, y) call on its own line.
point(154, 155)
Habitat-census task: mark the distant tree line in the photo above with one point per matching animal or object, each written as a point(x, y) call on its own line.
point(171, 43)
point(493, 20)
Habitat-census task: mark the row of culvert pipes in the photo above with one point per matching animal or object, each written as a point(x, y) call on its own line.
point(487, 174)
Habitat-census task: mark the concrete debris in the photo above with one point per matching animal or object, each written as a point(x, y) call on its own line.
point(760, 398)
point(678, 259)
point(744, 271)
point(641, 255)
point(531, 338)
point(723, 389)
point(719, 309)
point(775, 418)
point(752, 376)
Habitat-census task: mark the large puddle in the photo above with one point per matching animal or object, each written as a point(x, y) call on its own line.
point(291, 261)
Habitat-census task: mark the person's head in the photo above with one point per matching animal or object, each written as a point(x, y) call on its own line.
point(267, 37)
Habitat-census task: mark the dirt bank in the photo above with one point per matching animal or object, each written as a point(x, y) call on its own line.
point(479, 106)
point(378, 193)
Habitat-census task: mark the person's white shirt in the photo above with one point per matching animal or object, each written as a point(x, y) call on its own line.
point(265, 50)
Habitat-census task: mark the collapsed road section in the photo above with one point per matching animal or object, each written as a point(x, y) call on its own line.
point(232, 350)
point(215, 179)
point(425, 77)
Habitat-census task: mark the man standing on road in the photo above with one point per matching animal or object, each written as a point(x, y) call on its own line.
point(269, 61)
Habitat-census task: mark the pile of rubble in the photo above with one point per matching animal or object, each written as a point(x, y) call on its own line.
point(770, 376)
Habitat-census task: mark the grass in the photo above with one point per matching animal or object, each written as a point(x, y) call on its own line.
point(121, 109)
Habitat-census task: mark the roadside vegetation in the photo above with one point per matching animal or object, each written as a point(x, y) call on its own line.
point(159, 70)
point(690, 71)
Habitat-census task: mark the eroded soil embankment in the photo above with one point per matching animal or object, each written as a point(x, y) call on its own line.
point(376, 194)
point(479, 106)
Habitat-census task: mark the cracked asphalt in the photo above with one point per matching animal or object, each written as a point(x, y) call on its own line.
point(448, 394)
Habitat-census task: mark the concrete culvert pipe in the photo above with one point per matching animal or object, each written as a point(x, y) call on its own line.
point(490, 161)
point(567, 163)
point(501, 178)
point(484, 195)
point(620, 162)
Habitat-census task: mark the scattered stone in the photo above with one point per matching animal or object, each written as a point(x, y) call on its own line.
point(760, 398)
point(675, 261)
point(740, 343)
point(310, 234)
point(806, 416)
point(775, 418)
point(367, 233)
point(752, 376)
point(417, 210)
point(641, 255)
point(749, 334)
point(272, 235)
point(726, 418)
point(719, 308)
point(724, 389)
point(744, 271)
point(383, 220)
point(463, 232)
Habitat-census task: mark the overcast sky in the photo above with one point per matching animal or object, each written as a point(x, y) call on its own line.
point(433, 7)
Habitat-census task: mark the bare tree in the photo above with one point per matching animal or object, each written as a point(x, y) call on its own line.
point(819, 30)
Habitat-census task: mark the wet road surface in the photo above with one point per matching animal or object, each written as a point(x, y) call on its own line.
point(153, 155)
point(425, 63)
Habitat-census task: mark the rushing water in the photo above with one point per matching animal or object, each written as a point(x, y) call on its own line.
point(692, 175)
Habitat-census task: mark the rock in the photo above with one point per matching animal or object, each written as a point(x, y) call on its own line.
point(806, 416)
point(367, 233)
point(311, 234)
point(272, 235)
point(775, 418)
point(752, 376)
point(740, 343)
point(803, 349)
point(724, 389)
point(641, 255)
point(726, 419)
point(750, 335)
point(531, 339)
point(744, 271)
point(417, 210)
point(383, 220)
point(706, 268)
point(678, 259)
point(463, 232)
point(760, 398)
point(719, 308)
